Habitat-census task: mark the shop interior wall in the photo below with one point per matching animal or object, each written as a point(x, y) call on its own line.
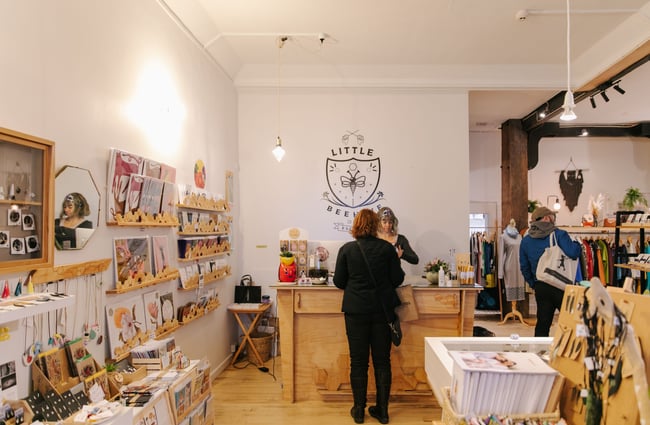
point(420, 137)
point(68, 71)
point(611, 165)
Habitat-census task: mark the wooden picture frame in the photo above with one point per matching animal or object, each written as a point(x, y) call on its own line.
point(27, 180)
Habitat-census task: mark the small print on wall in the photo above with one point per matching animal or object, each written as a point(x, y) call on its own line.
point(199, 174)
point(131, 257)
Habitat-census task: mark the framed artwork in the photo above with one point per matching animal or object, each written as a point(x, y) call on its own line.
point(134, 192)
point(168, 198)
point(152, 310)
point(160, 248)
point(167, 173)
point(151, 168)
point(121, 165)
point(167, 306)
point(125, 320)
point(131, 256)
point(26, 200)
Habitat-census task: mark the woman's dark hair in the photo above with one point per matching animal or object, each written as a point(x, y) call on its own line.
point(81, 208)
point(365, 223)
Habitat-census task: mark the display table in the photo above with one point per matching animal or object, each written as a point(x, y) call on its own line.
point(254, 313)
point(315, 355)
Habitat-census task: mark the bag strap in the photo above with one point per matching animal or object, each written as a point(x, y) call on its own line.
point(372, 279)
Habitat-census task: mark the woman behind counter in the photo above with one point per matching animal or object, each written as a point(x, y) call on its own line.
point(364, 301)
point(74, 211)
point(388, 231)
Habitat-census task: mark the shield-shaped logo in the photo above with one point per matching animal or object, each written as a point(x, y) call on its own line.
point(353, 181)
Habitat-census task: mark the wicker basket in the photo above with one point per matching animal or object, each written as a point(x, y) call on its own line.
point(263, 342)
point(450, 417)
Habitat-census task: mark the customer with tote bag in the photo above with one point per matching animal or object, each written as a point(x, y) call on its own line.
point(369, 296)
point(533, 245)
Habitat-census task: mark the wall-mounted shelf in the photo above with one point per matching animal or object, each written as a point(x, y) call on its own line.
point(189, 260)
point(16, 308)
point(135, 286)
point(69, 271)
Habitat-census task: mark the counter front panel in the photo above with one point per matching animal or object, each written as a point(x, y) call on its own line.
point(315, 356)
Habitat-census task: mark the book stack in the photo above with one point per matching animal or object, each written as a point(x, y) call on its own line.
point(500, 383)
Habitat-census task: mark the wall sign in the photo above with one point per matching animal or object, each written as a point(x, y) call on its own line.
point(353, 172)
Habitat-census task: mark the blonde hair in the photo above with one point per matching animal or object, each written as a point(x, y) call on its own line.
point(386, 213)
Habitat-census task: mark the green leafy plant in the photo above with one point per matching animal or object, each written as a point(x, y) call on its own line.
point(435, 265)
point(532, 204)
point(633, 197)
point(286, 254)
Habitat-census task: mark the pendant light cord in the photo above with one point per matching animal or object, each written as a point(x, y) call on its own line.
point(280, 44)
point(568, 46)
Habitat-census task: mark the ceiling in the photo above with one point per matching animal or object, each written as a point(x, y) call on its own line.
point(510, 65)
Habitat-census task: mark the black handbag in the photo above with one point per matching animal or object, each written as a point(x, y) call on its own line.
point(394, 324)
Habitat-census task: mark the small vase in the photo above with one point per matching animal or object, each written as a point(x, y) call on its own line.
point(432, 277)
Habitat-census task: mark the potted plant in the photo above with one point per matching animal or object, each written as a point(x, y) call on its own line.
point(633, 199)
point(532, 204)
point(287, 270)
point(433, 268)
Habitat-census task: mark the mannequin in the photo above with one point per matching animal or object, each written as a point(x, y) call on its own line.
point(509, 273)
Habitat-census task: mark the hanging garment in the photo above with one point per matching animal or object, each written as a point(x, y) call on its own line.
point(571, 187)
point(508, 260)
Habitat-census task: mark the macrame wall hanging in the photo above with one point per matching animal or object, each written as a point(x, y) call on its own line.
point(571, 181)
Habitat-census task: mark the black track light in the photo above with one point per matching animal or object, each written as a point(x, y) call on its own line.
point(593, 102)
point(618, 89)
point(604, 96)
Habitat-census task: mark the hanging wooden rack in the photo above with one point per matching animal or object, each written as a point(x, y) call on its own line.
point(70, 270)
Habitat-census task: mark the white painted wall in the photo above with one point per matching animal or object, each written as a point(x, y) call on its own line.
point(67, 71)
point(420, 136)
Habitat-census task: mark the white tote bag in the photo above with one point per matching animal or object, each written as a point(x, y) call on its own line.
point(555, 267)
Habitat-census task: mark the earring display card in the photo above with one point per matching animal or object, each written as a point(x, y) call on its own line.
point(28, 222)
point(17, 246)
point(4, 239)
point(14, 217)
point(31, 244)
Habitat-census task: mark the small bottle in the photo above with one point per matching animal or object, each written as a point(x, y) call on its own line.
point(441, 278)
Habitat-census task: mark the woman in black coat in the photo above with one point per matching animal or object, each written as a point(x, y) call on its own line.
point(365, 303)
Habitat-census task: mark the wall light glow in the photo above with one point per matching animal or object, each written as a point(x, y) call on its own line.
point(156, 108)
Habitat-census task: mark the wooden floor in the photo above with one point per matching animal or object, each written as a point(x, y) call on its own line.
point(247, 396)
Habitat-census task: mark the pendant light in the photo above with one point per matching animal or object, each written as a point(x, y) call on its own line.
point(278, 151)
point(569, 103)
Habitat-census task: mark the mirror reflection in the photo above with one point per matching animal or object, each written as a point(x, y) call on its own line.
point(76, 208)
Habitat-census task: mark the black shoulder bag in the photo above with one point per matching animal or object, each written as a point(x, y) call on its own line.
point(393, 325)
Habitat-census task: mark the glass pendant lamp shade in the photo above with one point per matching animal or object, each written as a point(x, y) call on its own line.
point(278, 151)
point(569, 105)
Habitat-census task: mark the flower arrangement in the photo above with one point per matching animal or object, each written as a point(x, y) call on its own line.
point(435, 265)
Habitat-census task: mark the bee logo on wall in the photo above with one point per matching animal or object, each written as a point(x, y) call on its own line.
point(353, 174)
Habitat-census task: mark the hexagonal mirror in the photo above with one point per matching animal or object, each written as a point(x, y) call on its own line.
point(76, 207)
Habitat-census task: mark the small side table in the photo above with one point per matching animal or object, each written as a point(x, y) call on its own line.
point(254, 313)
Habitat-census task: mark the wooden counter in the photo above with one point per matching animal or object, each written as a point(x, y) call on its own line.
point(313, 344)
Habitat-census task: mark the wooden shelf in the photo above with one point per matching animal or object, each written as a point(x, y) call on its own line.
point(632, 266)
point(146, 284)
point(190, 207)
point(190, 234)
point(17, 202)
point(189, 260)
point(205, 282)
point(69, 271)
point(9, 310)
